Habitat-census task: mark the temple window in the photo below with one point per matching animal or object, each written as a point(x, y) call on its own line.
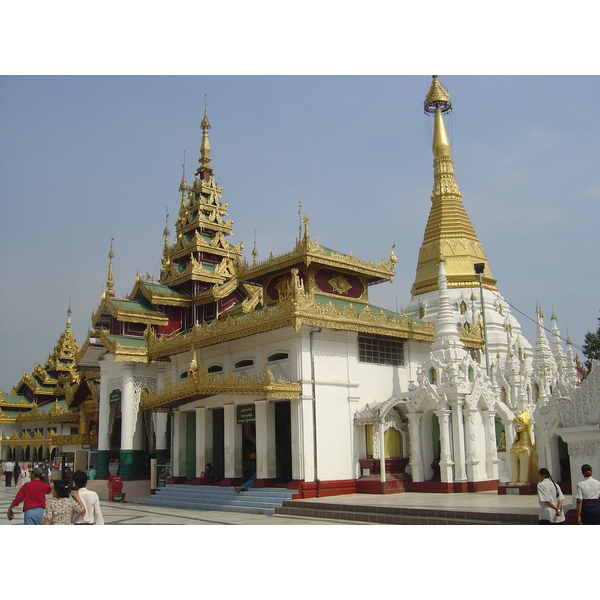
point(215, 369)
point(278, 356)
point(246, 362)
point(381, 351)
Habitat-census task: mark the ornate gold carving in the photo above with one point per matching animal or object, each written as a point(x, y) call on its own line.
point(308, 251)
point(128, 311)
point(121, 351)
point(340, 284)
point(296, 309)
point(202, 384)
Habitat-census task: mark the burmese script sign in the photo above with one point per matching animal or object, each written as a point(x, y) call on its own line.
point(246, 414)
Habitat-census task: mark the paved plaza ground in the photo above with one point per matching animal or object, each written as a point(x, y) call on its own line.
point(134, 512)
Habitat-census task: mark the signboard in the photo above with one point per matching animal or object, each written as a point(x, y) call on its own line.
point(114, 397)
point(246, 414)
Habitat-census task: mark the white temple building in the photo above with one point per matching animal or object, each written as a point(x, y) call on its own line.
point(286, 368)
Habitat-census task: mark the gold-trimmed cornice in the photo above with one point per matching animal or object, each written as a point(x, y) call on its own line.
point(51, 440)
point(307, 252)
point(218, 246)
point(155, 296)
point(119, 348)
point(129, 311)
point(202, 384)
point(294, 310)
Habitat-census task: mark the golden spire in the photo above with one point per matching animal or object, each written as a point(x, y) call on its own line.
point(204, 170)
point(448, 234)
point(69, 313)
point(109, 281)
point(183, 186)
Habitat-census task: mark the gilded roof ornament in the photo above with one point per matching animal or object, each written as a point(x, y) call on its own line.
point(437, 97)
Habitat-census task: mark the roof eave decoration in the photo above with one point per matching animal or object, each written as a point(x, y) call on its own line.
point(308, 251)
point(194, 271)
point(293, 310)
point(117, 346)
point(202, 384)
point(51, 440)
point(124, 312)
point(150, 293)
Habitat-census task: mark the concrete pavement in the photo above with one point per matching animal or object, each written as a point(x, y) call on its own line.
point(134, 512)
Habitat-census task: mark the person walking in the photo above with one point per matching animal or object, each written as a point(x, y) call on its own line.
point(33, 495)
point(24, 477)
point(63, 506)
point(551, 500)
point(16, 473)
point(90, 499)
point(9, 467)
point(588, 498)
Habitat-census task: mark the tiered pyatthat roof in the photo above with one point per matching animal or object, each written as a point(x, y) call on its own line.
point(449, 235)
point(58, 372)
point(201, 252)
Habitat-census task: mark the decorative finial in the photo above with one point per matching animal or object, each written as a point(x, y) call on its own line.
point(109, 282)
point(437, 97)
point(204, 170)
point(306, 233)
point(69, 313)
point(183, 186)
point(166, 231)
point(254, 251)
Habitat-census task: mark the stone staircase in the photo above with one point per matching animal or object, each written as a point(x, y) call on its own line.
point(390, 515)
point(259, 501)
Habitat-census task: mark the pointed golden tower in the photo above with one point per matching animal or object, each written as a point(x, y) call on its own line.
point(110, 285)
point(449, 234)
point(201, 255)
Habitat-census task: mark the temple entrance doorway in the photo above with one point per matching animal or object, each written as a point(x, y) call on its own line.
point(283, 441)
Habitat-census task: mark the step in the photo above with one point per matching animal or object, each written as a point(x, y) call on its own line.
point(400, 516)
point(256, 501)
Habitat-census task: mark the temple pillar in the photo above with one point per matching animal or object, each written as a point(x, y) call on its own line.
point(446, 462)
point(307, 431)
point(128, 421)
point(491, 444)
point(138, 441)
point(416, 452)
point(266, 453)
point(233, 443)
point(472, 459)
point(459, 442)
point(179, 439)
point(161, 422)
point(297, 446)
point(381, 451)
point(200, 440)
point(103, 424)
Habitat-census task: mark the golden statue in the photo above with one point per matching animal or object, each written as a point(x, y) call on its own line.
point(523, 455)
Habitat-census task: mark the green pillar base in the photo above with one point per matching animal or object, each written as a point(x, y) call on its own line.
point(103, 460)
point(130, 463)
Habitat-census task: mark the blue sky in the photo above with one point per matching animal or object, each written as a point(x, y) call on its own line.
point(318, 103)
point(84, 159)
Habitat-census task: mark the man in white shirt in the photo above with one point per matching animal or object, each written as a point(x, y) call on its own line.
point(8, 467)
point(93, 514)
